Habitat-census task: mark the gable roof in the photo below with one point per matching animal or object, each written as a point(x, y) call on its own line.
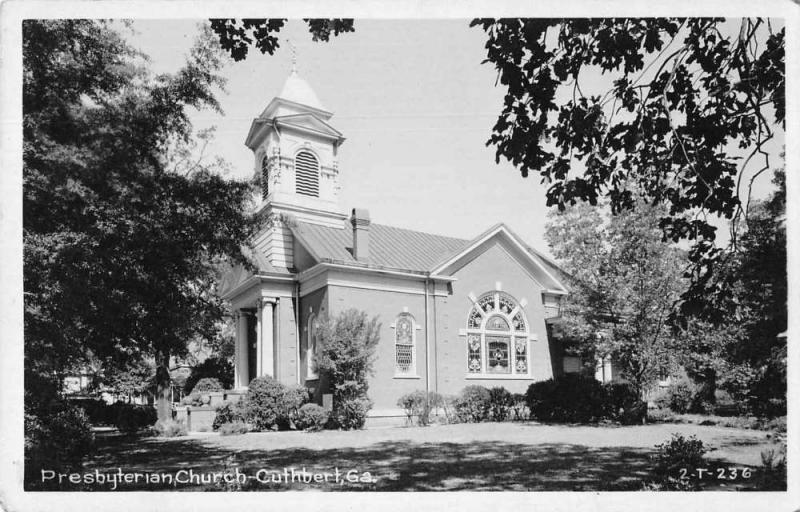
point(416, 251)
point(389, 247)
point(534, 261)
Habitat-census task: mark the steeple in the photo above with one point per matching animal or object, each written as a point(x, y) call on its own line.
point(295, 151)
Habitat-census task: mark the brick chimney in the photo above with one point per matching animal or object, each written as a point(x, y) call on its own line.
point(360, 221)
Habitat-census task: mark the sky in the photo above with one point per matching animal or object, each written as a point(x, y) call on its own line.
point(415, 105)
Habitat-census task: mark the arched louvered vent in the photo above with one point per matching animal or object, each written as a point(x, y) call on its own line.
point(264, 177)
point(306, 169)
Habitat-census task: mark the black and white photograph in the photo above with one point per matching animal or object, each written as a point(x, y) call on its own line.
point(526, 255)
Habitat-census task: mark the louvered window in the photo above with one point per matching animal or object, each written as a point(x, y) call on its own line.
point(306, 169)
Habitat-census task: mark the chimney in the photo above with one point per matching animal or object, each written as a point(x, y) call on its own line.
point(360, 222)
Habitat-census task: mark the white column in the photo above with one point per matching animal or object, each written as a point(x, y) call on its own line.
point(259, 339)
point(242, 372)
point(267, 340)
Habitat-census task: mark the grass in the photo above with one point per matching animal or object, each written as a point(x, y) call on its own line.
point(481, 457)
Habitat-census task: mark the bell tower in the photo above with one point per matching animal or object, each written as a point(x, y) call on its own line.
point(295, 151)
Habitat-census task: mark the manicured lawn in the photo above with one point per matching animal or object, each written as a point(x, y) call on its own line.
point(485, 456)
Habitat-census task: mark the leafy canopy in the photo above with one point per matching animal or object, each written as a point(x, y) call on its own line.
point(684, 98)
point(122, 240)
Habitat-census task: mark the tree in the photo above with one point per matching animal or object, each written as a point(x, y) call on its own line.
point(625, 283)
point(121, 239)
point(236, 36)
point(346, 356)
point(680, 96)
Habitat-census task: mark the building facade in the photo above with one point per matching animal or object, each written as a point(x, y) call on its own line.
point(453, 312)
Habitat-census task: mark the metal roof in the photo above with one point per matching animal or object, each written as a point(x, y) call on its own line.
point(389, 247)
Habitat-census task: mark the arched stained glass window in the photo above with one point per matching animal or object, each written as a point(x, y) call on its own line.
point(306, 173)
point(497, 336)
point(405, 345)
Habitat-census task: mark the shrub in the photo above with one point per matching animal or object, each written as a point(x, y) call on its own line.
point(500, 403)
point(312, 417)
point(681, 396)
point(294, 397)
point(660, 415)
point(448, 403)
point(207, 385)
point(57, 437)
point(132, 418)
point(623, 403)
point(213, 367)
point(98, 411)
point(234, 428)
point(420, 404)
point(771, 476)
point(519, 408)
point(264, 401)
point(473, 405)
point(230, 412)
point(570, 398)
point(351, 413)
point(679, 453)
point(346, 354)
point(169, 428)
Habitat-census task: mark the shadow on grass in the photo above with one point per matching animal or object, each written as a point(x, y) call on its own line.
point(394, 465)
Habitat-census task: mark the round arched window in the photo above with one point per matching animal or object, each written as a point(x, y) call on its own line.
point(497, 336)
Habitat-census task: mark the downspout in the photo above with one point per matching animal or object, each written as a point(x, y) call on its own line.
point(435, 344)
point(297, 329)
point(427, 343)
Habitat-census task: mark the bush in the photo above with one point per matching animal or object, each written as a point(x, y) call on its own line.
point(169, 428)
point(473, 405)
point(346, 355)
point(500, 403)
point(572, 398)
point(234, 428)
point(679, 453)
point(660, 415)
point(230, 412)
point(98, 411)
point(57, 437)
point(681, 395)
point(263, 402)
point(519, 408)
point(207, 385)
point(420, 404)
point(312, 417)
point(623, 403)
point(213, 367)
point(448, 404)
point(132, 418)
point(294, 397)
point(351, 414)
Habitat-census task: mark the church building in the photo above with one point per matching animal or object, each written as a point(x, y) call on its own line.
point(453, 312)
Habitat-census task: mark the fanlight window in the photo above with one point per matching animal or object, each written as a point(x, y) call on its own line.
point(497, 336)
point(306, 167)
point(405, 350)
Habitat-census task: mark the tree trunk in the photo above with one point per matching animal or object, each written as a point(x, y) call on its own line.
point(163, 387)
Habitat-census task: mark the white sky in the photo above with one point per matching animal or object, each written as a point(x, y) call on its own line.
point(415, 105)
